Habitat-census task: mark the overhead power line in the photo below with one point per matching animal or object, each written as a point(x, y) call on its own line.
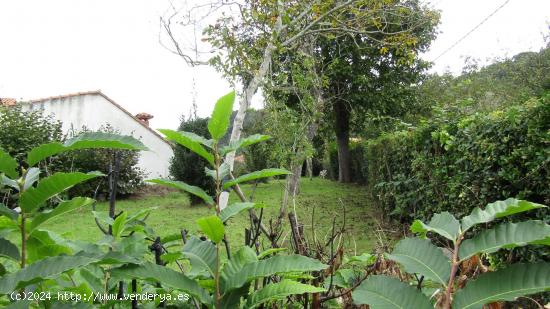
point(472, 30)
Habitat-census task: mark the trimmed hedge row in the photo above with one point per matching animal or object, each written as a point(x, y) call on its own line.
point(458, 164)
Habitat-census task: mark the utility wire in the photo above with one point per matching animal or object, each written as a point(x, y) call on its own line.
point(473, 29)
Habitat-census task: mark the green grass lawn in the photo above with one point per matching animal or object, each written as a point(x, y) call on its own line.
point(326, 199)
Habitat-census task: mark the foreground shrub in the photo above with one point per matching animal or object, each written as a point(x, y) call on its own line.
point(455, 279)
point(42, 255)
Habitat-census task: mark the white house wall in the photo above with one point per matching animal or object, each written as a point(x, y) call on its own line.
point(94, 111)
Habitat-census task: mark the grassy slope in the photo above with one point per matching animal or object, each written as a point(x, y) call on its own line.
point(175, 213)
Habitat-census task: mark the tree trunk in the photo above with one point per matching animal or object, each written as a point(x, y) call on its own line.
point(244, 104)
point(309, 167)
point(342, 115)
point(292, 186)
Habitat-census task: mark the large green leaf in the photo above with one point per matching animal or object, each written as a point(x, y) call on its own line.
point(221, 115)
point(44, 151)
point(212, 226)
point(8, 165)
point(244, 142)
point(422, 257)
point(197, 138)
point(44, 269)
point(383, 292)
point(270, 172)
point(10, 213)
point(234, 267)
point(104, 140)
point(271, 266)
point(43, 243)
point(8, 225)
point(497, 210)
point(201, 255)
point(189, 143)
point(504, 285)
point(506, 235)
point(444, 224)
point(7, 249)
point(62, 208)
point(94, 276)
point(280, 290)
point(57, 183)
point(232, 299)
point(234, 209)
point(164, 275)
point(118, 224)
point(84, 141)
point(184, 187)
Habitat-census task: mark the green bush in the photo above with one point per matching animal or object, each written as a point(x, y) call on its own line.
point(21, 131)
point(460, 164)
point(130, 177)
point(187, 166)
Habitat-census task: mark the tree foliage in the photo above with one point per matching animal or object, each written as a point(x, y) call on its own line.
point(504, 83)
point(364, 79)
point(21, 131)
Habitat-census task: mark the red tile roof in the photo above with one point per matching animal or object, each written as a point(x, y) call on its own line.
point(7, 101)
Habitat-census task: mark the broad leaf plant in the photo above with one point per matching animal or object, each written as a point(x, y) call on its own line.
point(441, 266)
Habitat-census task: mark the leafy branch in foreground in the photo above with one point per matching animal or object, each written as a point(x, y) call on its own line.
point(420, 256)
point(43, 255)
point(232, 281)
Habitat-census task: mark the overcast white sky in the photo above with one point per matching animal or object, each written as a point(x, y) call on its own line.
point(64, 46)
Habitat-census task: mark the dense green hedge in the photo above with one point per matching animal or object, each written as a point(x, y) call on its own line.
point(459, 164)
